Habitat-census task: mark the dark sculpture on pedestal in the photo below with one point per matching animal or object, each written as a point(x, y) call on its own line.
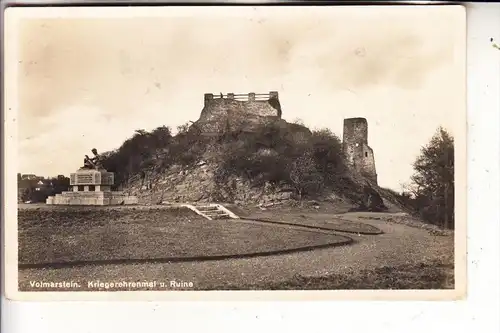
point(91, 186)
point(92, 162)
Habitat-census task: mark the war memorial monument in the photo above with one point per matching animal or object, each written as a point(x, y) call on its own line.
point(91, 186)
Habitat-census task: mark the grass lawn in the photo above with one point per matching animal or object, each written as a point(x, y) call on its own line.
point(401, 257)
point(75, 234)
point(313, 219)
point(430, 275)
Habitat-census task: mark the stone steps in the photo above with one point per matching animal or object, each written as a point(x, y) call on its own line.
point(207, 209)
point(212, 211)
point(214, 215)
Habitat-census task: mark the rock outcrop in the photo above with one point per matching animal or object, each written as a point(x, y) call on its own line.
point(199, 184)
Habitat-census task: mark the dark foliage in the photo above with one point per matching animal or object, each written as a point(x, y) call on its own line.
point(286, 154)
point(281, 153)
point(156, 150)
point(431, 192)
point(33, 191)
point(273, 152)
point(137, 153)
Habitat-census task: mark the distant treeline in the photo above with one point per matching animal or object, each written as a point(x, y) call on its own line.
point(37, 189)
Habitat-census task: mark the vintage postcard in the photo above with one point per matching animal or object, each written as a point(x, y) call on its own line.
point(253, 152)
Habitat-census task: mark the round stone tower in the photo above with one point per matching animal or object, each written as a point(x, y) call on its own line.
point(356, 150)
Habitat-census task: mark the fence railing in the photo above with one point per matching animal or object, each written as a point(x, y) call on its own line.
point(242, 97)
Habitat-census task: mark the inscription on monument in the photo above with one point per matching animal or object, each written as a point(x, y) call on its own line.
point(80, 179)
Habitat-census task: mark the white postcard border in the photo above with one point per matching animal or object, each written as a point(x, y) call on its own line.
point(13, 15)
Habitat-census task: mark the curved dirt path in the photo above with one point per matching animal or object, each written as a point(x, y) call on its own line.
point(399, 244)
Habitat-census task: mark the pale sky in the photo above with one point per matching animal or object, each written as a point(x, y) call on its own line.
point(91, 82)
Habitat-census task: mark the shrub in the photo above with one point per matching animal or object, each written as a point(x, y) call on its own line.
point(304, 175)
point(277, 152)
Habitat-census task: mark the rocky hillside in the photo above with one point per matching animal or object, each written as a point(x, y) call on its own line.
point(199, 183)
point(243, 153)
point(257, 167)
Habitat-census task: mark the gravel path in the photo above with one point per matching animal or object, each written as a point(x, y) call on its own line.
point(400, 244)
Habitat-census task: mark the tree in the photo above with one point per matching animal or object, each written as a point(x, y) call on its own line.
point(327, 150)
point(433, 181)
point(183, 128)
point(59, 184)
point(304, 175)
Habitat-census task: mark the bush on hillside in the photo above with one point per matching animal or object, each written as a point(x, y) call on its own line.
point(136, 153)
point(327, 151)
point(280, 153)
point(156, 150)
point(273, 152)
point(186, 147)
point(304, 175)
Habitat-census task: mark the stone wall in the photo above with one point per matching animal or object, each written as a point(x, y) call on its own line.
point(237, 109)
point(358, 153)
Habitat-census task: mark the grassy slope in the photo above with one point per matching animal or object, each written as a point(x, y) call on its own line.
point(47, 236)
point(425, 275)
point(401, 257)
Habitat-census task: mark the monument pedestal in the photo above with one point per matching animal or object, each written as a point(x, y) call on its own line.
point(91, 188)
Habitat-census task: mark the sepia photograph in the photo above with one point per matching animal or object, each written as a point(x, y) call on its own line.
point(236, 148)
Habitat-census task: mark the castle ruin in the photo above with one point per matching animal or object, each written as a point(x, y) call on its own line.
point(358, 154)
point(236, 109)
point(221, 111)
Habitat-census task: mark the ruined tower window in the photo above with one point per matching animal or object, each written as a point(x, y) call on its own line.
point(92, 188)
point(366, 154)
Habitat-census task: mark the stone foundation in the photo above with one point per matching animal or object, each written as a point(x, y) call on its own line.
point(98, 198)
